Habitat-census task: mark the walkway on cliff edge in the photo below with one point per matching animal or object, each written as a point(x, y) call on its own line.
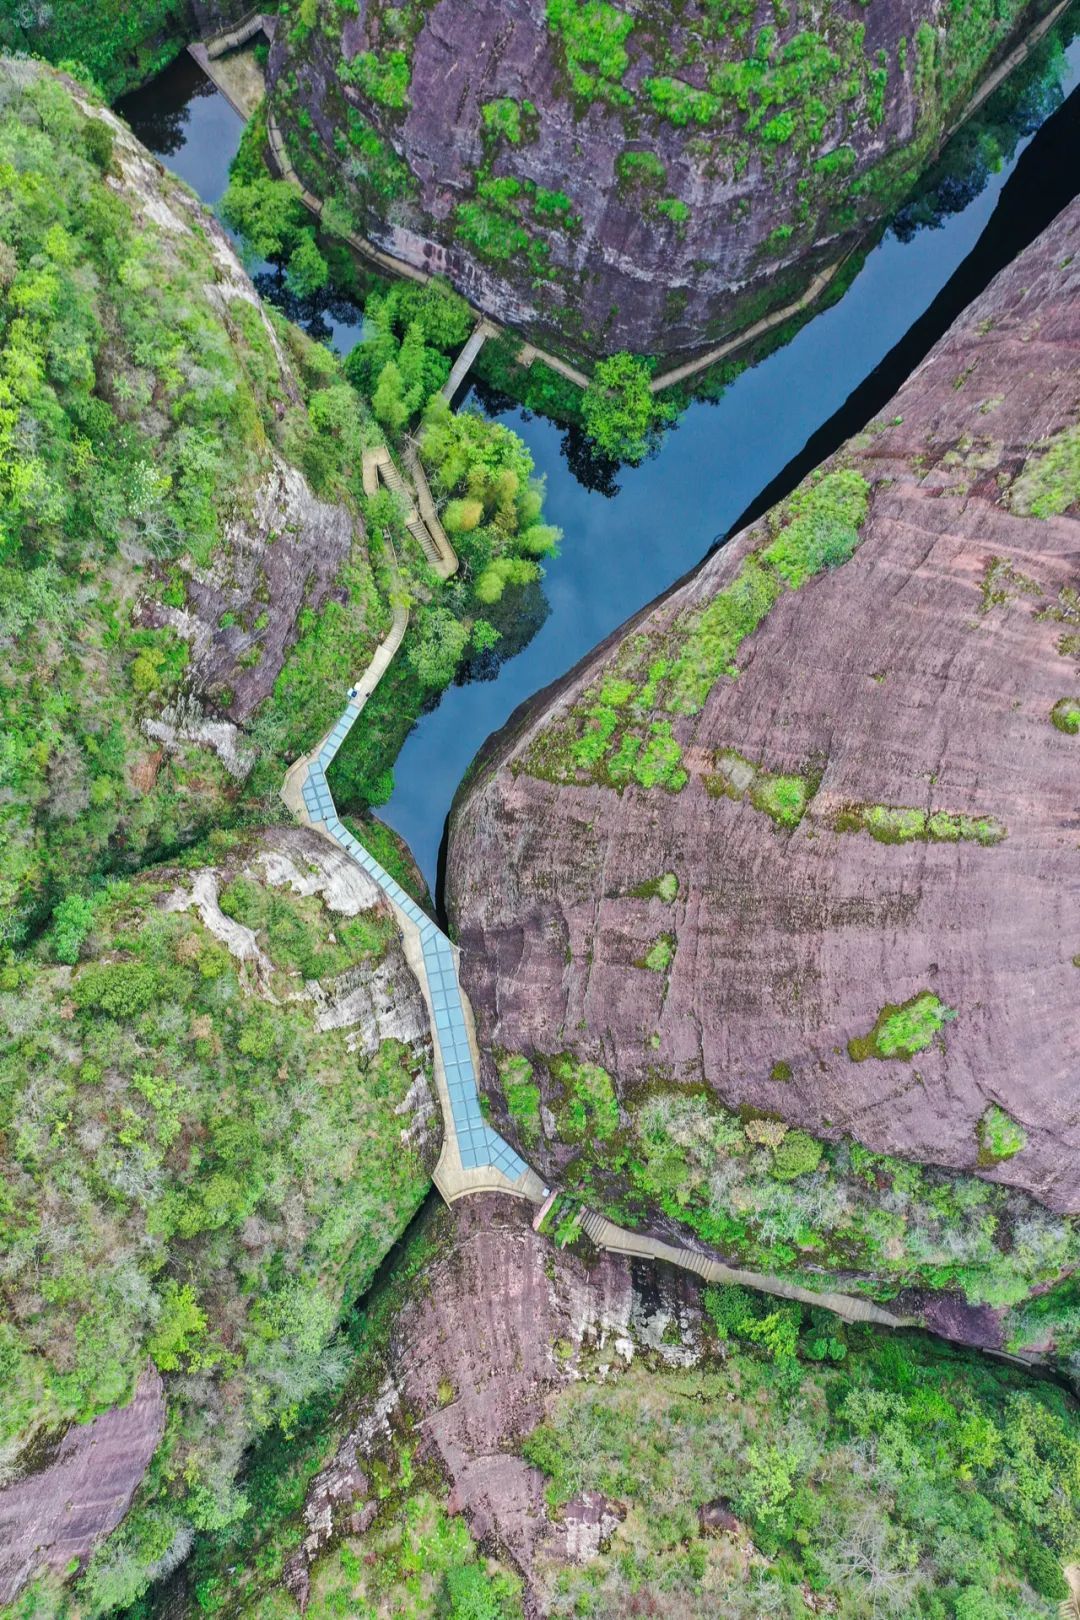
point(474, 1158)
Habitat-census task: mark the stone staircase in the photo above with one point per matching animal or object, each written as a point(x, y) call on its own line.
point(423, 525)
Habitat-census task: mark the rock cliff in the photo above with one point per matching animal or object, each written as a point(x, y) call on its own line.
point(793, 856)
point(618, 1441)
point(173, 521)
point(648, 176)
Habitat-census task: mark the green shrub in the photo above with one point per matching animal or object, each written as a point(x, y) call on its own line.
point(1065, 715)
point(999, 1136)
point(620, 413)
point(640, 170)
point(903, 1030)
point(661, 952)
point(593, 37)
point(823, 525)
point(797, 1155)
point(383, 79)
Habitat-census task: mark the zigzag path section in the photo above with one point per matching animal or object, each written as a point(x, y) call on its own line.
point(474, 1158)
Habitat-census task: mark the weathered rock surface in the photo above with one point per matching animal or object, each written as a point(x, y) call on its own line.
point(922, 673)
point(59, 1513)
point(763, 141)
point(500, 1324)
point(283, 547)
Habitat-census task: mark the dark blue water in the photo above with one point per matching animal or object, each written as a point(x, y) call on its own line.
point(619, 553)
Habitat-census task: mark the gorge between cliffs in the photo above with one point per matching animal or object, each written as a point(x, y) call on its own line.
point(539, 582)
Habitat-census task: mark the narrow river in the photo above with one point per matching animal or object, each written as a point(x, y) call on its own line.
point(722, 461)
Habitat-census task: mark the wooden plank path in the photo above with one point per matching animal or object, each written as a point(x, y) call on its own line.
point(606, 1235)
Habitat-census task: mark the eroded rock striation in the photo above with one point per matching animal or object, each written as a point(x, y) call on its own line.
point(648, 176)
point(60, 1512)
point(794, 856)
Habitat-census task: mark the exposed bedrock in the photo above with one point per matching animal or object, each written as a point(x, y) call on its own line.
point(878, 826)
point(59, 1513)
point(648, 176)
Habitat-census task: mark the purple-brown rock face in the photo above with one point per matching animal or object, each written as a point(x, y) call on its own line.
point(881, 805)
point(59, 1513)
point(648, 176)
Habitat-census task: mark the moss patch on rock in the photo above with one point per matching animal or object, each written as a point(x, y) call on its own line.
point(902, 1031)
point(1000, 1137)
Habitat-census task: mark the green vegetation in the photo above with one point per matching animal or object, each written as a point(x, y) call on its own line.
point(665, 887)
point(384, 79)
point(775, 1198)
point(783, 797)
point(586, 1106)
point(821, 527)
point(136, 426)
point(639, 172)
point(999, 1136)
point(610, 736)
point(118, 43)
point(903, 1031)
point(796, 1155)
point(499, 221)
point(620, 414)
point(481, 474)
point(874, 1475)
point(392, 854)
point(592, 35)
point(271, 218)
point(899, 824)
point(509, 120)
point(195, 1173)
point(660, 955)
point(1050, 481)
point(1065, 715)
point(522, 1096)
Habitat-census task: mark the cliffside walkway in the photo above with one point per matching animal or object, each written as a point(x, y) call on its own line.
point(207, 52)
point(474, 1158)
point(423, 525)
point(464, 362)
point(606, 1235)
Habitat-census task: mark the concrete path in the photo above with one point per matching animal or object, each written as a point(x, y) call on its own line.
point(474, 1158)
point(466, 359)
point(606, 1235)
point(208, 50)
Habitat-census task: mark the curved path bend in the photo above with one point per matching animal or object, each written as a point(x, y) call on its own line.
point(474, 1158)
